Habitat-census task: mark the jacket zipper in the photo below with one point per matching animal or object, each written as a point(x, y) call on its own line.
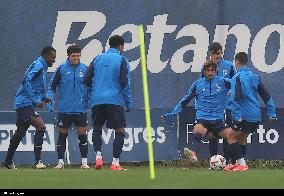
point(74, 78)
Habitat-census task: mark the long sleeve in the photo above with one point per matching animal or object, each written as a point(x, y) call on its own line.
point(55, 80)
point(183, 102)
point(88, 78)
point(232, 72)
point(86, 96)
point(125, 83)
point(266, 97)
point(235, 99)
point(89, 74)
point(34, 71)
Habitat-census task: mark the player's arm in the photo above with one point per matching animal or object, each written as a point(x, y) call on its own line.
point(55, 80)
point(235, 99)
point(86, 94)
point(182, 103)
point(266, 97)
point(227, 83)
point(35, 70)
point(88, 78)
point(125, 83)
point(232, 71)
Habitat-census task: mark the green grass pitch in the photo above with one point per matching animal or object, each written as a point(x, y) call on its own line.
point(138, 177)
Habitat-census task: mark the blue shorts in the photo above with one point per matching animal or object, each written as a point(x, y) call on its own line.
point(112, 115)
point(213, 126)
point(65, 120)
point(25, 114)
point(248, 127)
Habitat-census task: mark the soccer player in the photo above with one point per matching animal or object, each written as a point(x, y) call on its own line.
point(109, 77)
point(246, 112)
point(30, 97)
point(225, 69)
point(72, 104)
point(210, 94)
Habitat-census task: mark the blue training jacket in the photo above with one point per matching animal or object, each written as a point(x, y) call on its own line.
point(73, 93)
point(210, 98)
point(244, 101)
point(32, 90)
point(109, 78)
point(225, 69)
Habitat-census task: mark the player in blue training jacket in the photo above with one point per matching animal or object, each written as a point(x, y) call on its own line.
point(246, 112)
point(225, 69)
point(210, 94)
point(30, 97)
point(109, 78)
point(72, 104)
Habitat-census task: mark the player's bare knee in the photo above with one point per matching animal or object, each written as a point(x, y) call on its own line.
point(120, 130)
point(81, 130)
point(63, 130)
point(224, 133)
point(199, 129)
point(242, 138)
point(231, 137)
point(41, 129)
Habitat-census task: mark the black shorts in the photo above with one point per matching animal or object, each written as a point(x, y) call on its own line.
point(248, 127)
point(213, 126)
point(65, 120)
point(229, 117)
point(25, 114)
point(112, 115)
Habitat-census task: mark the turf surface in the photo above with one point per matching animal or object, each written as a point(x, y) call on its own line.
point(138, 177)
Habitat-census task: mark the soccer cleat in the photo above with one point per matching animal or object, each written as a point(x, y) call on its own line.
point(239, 167)
point(59, 166)
point(229, 167)
point(190, 154)
point(85, 166)
point(9, 166)
point(116, 168)
point(99, 164)
point(40, 165)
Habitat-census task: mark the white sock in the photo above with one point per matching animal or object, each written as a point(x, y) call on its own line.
point(242, 161)
point(61, 161)
point(115, 161)
point(98, 155)
point(84, 161)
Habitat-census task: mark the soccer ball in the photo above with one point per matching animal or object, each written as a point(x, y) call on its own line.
point(217, 162)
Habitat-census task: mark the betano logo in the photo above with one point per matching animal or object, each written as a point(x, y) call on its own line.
point(95, 22)
point(27, 143)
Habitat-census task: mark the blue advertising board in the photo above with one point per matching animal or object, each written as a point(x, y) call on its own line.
point(177, 36)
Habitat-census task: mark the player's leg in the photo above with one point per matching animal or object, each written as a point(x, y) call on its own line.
point(23, 123)
point(116, 120)
point(213, 144)
point(246, 129)
point(235, 150)
point(80, 121)
point(220, 130)
point(64, 123)
point(226, 151)
point(241, 138)
point(199, 130)
point(98, 118)
point(39, 125)
point(243, 143)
